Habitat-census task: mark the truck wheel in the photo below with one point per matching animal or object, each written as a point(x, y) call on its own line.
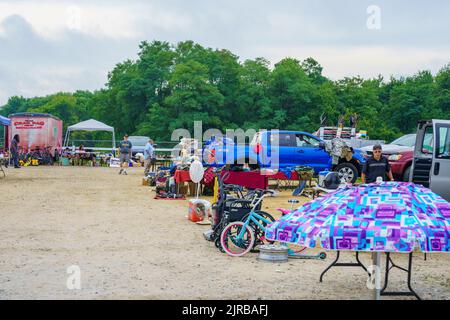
point(406, 174)
point(347, 172)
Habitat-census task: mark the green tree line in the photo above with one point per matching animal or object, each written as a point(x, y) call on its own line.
point(170, 86)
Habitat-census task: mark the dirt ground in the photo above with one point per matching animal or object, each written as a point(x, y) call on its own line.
point(129, 246)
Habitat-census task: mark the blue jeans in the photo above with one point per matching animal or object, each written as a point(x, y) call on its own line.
point(15, 159)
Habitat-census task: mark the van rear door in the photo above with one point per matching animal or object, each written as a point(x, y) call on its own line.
point(440, 173)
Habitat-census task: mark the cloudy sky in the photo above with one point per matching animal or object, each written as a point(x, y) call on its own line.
point(49, 46)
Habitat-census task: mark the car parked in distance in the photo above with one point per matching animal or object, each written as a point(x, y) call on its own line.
point(138, 143)
point(400, 154)
point(401, 163)
point(295, 148)
point(408, 140)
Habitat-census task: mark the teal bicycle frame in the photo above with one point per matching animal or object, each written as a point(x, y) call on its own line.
point(256, 218)
point(253, 216)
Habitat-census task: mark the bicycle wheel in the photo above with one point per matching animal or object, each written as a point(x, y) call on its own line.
point(260, 234)
point(232, 245)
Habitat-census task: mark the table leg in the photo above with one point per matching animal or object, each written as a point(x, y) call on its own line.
point(376, 257)
point(390, 265)
point(336, 263)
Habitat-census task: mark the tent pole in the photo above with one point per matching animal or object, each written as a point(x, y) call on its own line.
point(114, 143)
point(65, 138)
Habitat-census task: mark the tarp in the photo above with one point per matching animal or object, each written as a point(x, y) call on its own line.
point(90, 125)
point(5, 121)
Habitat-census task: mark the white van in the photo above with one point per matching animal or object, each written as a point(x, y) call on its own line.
point(431, 167)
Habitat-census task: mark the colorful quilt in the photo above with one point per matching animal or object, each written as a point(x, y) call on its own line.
point(387, 217)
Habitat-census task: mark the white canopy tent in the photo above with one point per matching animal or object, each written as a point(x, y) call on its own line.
point(90, 125)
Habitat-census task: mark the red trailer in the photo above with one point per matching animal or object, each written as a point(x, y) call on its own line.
point(36, 130)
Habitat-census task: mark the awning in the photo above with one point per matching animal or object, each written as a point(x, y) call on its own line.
point(5, 121)
point(90, 125)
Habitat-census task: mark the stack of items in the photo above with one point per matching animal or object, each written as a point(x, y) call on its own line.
point(305, 173)
point(166, 187)
point(339, 149)
point(189, 151)
point(149, 180)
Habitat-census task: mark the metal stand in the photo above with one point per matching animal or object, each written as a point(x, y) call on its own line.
point(1, 167)
point(376, 257)
point(390, 265)
point(335, 263)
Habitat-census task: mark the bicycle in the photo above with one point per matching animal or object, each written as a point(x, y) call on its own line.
point(240, 237)
point(232, 205)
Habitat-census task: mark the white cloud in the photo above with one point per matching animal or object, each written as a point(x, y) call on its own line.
point(52, 19)
point(49, 45)
point(366, 61)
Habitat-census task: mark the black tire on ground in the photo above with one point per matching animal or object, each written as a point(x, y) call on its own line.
point(406, 174)
point(347, 171)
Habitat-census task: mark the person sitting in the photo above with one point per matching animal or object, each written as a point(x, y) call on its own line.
point(66, 153)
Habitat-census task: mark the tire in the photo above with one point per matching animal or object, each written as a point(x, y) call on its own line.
point(347, 171)
point(218, 245)
point(238, 249)
point(407, 174)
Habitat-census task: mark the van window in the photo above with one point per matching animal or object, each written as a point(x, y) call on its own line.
point(427, 144)
point(443, 147)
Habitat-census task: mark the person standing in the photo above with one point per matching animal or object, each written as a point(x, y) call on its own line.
point(125, 154)
point(15, 151)
point(153, 159)
point(377, 166)
point(148, 156)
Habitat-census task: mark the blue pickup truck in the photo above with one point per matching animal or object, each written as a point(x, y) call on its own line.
point(295, 149)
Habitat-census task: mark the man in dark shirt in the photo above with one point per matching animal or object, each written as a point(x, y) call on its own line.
point(125, 154)
point(377, 166)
